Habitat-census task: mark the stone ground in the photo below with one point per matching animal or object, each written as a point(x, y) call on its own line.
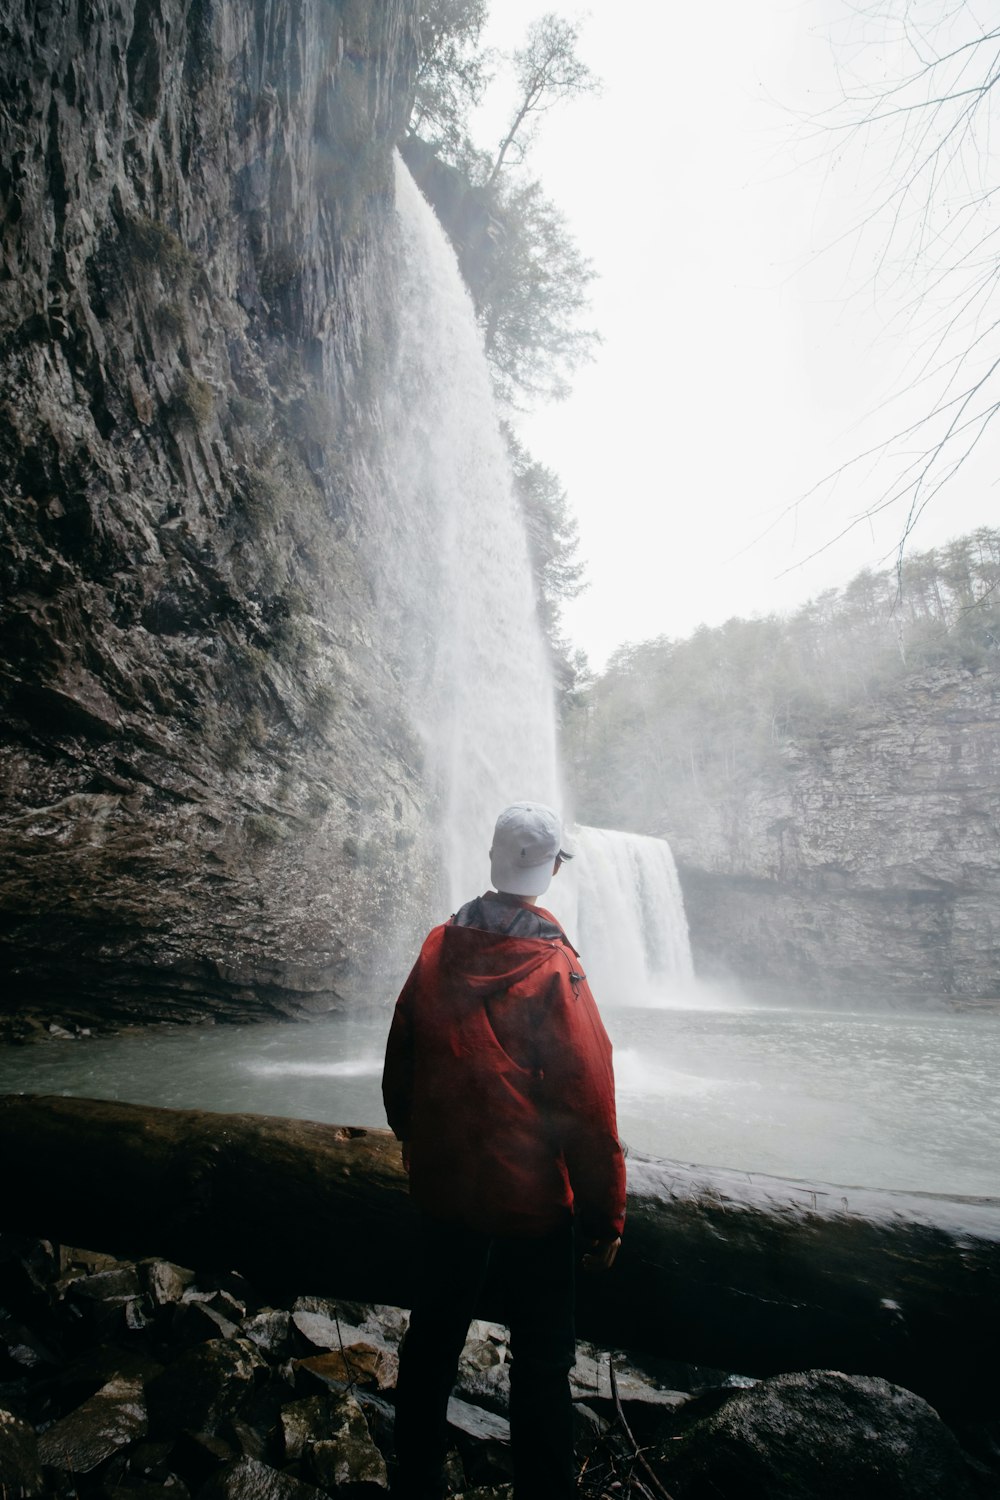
point(122, 1380)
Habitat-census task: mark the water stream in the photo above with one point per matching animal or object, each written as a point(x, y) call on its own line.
point(474, 663)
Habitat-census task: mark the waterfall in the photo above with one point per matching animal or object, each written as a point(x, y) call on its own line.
point(473, 663)
point(621, 896)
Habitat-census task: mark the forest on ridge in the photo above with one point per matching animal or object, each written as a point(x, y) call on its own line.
point(671, 723)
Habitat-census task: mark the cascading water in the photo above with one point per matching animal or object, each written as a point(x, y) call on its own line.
point(622, 896)
point(474, 662)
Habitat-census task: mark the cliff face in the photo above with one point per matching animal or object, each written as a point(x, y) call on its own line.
point(868, 866)
point(202, 748)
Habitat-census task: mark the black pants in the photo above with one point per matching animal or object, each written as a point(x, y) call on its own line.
point(534, 1280)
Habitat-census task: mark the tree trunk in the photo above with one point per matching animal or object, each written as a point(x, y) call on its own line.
point(741, 1272)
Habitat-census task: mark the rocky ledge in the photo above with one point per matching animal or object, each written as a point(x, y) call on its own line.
point(121, 1380)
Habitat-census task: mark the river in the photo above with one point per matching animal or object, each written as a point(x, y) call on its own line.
point(873, 1099)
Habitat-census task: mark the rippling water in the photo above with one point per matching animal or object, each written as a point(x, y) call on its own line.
point(874, 1100)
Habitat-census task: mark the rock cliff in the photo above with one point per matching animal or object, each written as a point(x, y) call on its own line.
point(867, 866)
point(202, 745)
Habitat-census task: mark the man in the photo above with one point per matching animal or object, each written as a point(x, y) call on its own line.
point(498, 1082)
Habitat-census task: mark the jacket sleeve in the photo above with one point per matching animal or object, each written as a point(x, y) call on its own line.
point(397, 1074)
point(578, 1089)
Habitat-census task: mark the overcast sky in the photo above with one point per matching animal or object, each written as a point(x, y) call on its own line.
point(746, 346)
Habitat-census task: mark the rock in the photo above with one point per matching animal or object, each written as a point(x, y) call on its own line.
point(193, 525)
point(304, 1423)
point(346, 1461)
point(203, 1385)
point(109, 1420)
point(82, 1377)
point(163, 1282)
point(20, 1474)
point(357, 1364)
point(819, 1435)
point(249, 1479)
point(861, 865)
point(476, 1422)
point(271, 1331)
point(20, 1349)
point(117, 1283)
point(319, 1328)
point(329, 1436)
point(194, 1322)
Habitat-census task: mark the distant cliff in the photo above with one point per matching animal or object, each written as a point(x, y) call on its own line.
point(829, 780)
point(201, 741)
point(866, 866)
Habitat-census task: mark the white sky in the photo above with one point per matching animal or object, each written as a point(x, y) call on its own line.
point(742, 358)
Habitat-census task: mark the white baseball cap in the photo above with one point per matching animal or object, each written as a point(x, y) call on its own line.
point(527, 841)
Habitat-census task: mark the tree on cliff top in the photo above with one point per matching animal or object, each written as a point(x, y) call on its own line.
point(547, 70)
point(453, 74)
point(527, 277)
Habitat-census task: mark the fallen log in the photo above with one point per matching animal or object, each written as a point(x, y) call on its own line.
point(738, 1271)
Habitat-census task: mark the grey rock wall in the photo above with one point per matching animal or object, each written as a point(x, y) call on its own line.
point(212, 801)
point(868, 866)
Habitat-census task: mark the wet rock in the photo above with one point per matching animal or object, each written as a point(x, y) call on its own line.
point(110, 1419)
point(346, 1460)
point(203, 1385)
point(106, 1302)
point(21, 1349)
point(83, 1376)
point(228, 1292)
point(380, 1415)
point(320, 1323)
point(476, 1422)
point(116, 1283)
point(194, 1322)
point(270, 1331)
point(20, 1473)
point(256, 1427)
point(327, 1436)
point(379, 1322)
point(304, 1423)
point(820, 1435)
point(357, 1364)
point(249, 1479)
point(163, 1282)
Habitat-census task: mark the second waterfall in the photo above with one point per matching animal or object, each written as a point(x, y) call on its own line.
point(474, 664)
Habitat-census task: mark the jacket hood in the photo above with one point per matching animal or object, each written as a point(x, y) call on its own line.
point(485, 962)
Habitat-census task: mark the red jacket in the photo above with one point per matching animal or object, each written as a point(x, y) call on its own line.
point(498, 1074)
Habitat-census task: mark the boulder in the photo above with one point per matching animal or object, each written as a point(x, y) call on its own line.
point(356, 1364)
point(820, 1435)
point(107, 1421)
point(249, 1479)
point(163, 1282)
point(203, 1385)
point(328, 1436)
point(270, 1331)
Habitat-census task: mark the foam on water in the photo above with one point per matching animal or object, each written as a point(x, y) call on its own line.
point(366, 1067)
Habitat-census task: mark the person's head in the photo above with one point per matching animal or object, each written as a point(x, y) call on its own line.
point(527, 849)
